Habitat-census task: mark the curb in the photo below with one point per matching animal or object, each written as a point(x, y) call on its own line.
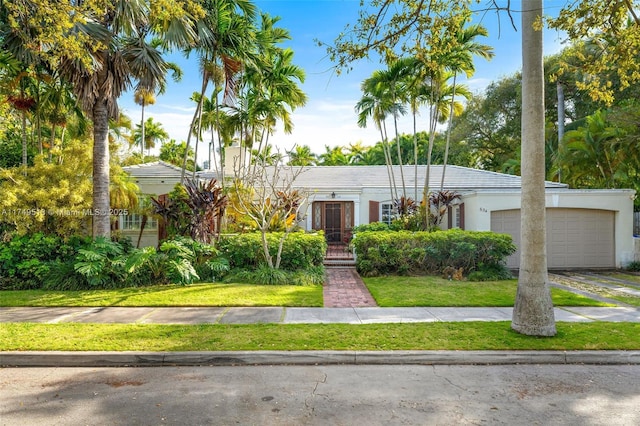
point(237, 358)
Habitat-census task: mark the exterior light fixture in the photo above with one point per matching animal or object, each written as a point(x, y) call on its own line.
point(333, 195)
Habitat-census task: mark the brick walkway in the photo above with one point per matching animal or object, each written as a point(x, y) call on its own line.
point(344, 289)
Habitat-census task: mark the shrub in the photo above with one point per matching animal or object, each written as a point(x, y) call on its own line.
point(25, 260)
point(634, 266)
point(300, 251)
point(406, 252)
point(490, 273)
point(101, 264)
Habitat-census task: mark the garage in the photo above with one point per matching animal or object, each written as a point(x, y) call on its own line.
point(576, 238)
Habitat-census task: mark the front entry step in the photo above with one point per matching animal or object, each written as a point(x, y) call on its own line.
point(340, 263)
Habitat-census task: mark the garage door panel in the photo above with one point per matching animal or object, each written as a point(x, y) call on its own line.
point(576, 238)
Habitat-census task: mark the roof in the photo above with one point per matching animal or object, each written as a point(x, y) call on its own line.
point(157, 169)
point(358, 177)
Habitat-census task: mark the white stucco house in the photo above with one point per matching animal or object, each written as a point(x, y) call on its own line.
point(585, 228)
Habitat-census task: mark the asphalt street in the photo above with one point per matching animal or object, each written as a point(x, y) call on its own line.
point(530, 394)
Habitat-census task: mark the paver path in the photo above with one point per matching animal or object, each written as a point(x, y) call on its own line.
point(344, 289)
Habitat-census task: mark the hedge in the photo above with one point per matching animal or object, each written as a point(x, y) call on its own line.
point(300, 250)
point(405, 252)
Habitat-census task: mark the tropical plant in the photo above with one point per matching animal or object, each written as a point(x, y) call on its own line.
point(99, 48)
point(150, 133)
point(101, 264)
point(207, 203)
point(301, 155)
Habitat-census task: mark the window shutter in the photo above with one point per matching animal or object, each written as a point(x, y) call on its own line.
point(461, 213)
point(374, 211)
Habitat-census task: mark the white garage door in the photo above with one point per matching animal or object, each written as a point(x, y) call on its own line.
point(576, 238)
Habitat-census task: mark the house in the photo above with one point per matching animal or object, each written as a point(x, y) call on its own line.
point(585, 228)
point(153, 179)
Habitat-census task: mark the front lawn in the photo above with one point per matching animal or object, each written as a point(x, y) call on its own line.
point(289, 337)
point(435, 291)
point(216, 294)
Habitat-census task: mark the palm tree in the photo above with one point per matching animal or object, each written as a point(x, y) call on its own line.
point(153, 133)
point(301, 155)
point(589, 155)
point(271, 84)
point(460, 60)
point(392, 85)
point(375, 105)
point(226, 36)
point(116, 51)
point(333, 157)
point(533, 309)
point(143, 97)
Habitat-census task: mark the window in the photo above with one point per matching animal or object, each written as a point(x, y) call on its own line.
point(387, 213)
point(455, 217)
point(133, 221)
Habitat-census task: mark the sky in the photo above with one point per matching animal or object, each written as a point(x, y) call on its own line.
point(329, 118)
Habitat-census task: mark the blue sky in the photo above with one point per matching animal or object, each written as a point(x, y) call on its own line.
point(329, 117)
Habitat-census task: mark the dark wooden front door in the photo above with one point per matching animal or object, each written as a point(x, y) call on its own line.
point(333, 222)
point(335, 218)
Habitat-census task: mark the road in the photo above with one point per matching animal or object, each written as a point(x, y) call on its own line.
point(323, 395)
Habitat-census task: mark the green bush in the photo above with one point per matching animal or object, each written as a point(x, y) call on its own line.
point(491, 273)
point(48, 262)
point(300, 251)
point(25, 260)
point(634, 266)
point(405, 252)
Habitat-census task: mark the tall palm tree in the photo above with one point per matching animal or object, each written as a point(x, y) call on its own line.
point(143, 97)
point(391, 84)
point(271, 84)
point(533, 309)
point(116, 52)
point(376, 105)
point(461, 60)
point(226, 35)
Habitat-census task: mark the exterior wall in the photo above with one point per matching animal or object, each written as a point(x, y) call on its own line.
point(480, 204)
point(636, 242)
point(153, 187)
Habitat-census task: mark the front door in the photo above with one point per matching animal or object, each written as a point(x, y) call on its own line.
point(335, 218)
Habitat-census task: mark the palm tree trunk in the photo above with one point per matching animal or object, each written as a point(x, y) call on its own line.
point(24, 141)
point(395, 125)
point(196, 114)
point(389, 160)
point(101, 217)
point(415, 157)
point(446, 146)
point(389, 171)
point(533, 309)
point(433, 119)
point(142, 134)
point(561, 114)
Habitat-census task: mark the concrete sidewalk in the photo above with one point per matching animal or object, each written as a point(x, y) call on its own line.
point(283, 315)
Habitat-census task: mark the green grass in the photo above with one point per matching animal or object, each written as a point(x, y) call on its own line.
point(435, 291)
point(289, 337)
point(216, 294)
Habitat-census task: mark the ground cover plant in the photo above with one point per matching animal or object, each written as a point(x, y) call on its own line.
point(214, 337)
point(435, 291)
